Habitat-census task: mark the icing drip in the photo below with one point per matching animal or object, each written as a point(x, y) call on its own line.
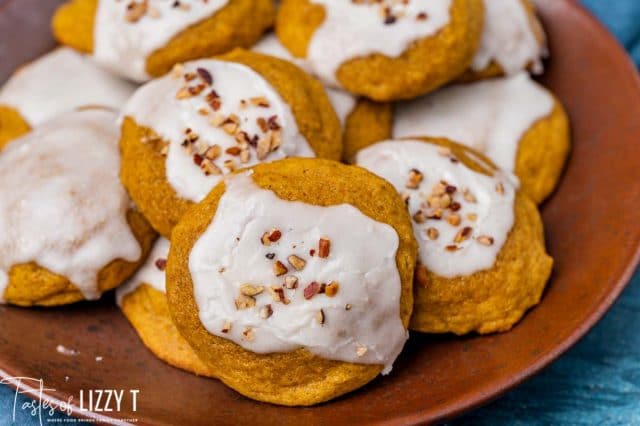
point(258, 270)
point(359, 29)
point(509, 39)
point(460, 218)
point(343, 103)
point(62, 81)
point(127, 32)
point(152, 272)
point(216, 116)
point(489, 116)
point(52, 212)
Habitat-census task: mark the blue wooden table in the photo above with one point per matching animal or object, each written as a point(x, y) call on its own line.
point(596, 382)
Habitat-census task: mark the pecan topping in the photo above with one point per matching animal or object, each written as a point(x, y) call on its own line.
point(277, 294)
point(161, 264)
point(291, 282)
point(248, 334)
point(279, 268)
point(245, 302)
point(485, 240)
point(463, 234)
point(320, 318)
point(311, 290)
point(324, 247)
point(298, 263)
point(266, 311)
point(415, 179)
point(226, 327)
point(331, 289)
point(433, 233)
point(251, 290)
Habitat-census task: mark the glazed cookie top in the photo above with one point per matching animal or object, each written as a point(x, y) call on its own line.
point(509, 38)
point(343, 103)
point(216, 116)
point(62, 81)
point(152, 272)
point(461, 216)
point(354, 29)
point(489, 116)
point(274, 275)
point(127, 32)
point(51, 211)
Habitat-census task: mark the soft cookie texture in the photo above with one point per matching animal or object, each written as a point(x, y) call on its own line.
point(143, 301)
point(297, 377)
point(147, 310)
point(527, 35)
point(30, 284)
point(513, 120)
point(486, 300)
point(424, 66)
point(363, 121)
point(239, 23)
point(33, 285)
point(144, 171)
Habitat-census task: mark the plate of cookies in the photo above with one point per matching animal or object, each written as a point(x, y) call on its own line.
point(307, 211)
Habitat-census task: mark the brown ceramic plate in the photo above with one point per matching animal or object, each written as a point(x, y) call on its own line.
point(592, 232)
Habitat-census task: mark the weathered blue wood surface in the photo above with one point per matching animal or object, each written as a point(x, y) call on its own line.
point(595, 383)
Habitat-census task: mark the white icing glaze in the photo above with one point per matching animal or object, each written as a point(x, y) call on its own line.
point(155, 106)
point(352, 30)
point(62, 203)
point(366, 272)
point(509, 39)
point(343, 102)
point(393, 161)
point(62, 81)
point(150, 273)
point(124, 46)
point(489, 116)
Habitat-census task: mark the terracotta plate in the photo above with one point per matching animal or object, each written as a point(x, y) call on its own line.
point(592, 230)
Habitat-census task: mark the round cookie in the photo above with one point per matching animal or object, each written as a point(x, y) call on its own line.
point(143, 301)
point(142, 39)
point(513, 40)
point(363, 121)
point(180, 137)
point(518, 124)
point(282, 229)
point(482, 260)
point(383, 50)
point(57, 82)
point(61, 240)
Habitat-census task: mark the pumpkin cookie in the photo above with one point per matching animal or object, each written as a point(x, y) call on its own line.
point(266, 279)
point(384, 50)
point(514, 121)
point(141, 39)
point(184, 131)
point(143, 301)
point(482, 259)
point(363, 121)
point(513, 40)
point(61, 239)
point(57, 82)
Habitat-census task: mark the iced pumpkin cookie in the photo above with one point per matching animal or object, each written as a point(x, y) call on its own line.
point(141, 39)
point(363, 121)
point(57, 82)
point(268, 280)
point(482, 260)
point(143, 301)
point(514, 121)
point(384, 50)
point(68, 231)
point(513, 40)
point(184, 131)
